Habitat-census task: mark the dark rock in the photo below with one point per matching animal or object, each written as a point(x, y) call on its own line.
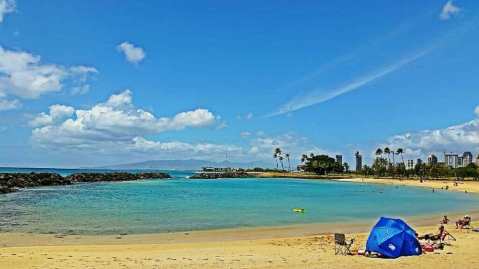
point(5, 189)
point(114, 176)
point(10, 181)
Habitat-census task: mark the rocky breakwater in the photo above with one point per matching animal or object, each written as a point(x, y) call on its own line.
point(115, 176)
point(10, 182)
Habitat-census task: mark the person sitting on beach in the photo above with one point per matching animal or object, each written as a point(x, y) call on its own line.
point(444, 220)
point(442, 233)
point(466, 221)
point(440, 236)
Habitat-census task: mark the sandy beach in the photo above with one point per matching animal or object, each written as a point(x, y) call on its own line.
point(437, 184)
point(311, 251)
point(301, 246)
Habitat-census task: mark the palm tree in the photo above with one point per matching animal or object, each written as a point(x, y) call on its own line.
point(388, 152)
point(400, 151)
point(379, 152)
point(277, 154)
point(281, 160)
point(346, 167)
point(289, 163)
point(304, 157)
point(277, 151)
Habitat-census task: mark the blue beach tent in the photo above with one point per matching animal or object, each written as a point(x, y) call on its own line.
point(393, 238)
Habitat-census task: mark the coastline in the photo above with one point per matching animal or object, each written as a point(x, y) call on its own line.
point(468, 186)
point(293, 246)
point(213, 249)
point(18, 239)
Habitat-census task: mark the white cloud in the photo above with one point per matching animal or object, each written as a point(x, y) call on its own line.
point(245, 134)
point(9, 104)
point(262, 147)
point(185, 150)
point(56, 114)
point(449, 10)
point(247, 116)
point(132, 53)
point(23, 75)
point(222, 125)
point(456, 138)
point(116, 120)
point(80, 90)
point(317, 97)
point(6, 6)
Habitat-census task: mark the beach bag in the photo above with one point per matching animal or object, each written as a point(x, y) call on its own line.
point(428, 248)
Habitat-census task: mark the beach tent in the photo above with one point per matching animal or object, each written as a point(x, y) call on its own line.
point(393, 238)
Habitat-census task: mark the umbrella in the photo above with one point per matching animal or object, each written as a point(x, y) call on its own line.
point(393, 238)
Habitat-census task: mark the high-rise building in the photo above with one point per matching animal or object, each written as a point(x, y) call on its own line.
point(477, 160)
point(432, 159)
point(359, 161)
point(339, 159)
point(460, 161)
point(410, 164)
point(467, 158)
point(418, 161)
point(451, 160)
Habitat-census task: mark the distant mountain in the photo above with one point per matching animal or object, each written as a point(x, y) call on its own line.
point(183, 165)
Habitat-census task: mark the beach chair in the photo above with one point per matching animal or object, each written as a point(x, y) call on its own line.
point(449, 237)
point(341, 246)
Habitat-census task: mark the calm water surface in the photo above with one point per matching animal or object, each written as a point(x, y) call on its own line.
point(182, 204)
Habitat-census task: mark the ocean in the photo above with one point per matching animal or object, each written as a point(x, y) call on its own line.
point(182, 204)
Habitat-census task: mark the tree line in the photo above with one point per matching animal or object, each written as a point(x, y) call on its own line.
point(383, 167)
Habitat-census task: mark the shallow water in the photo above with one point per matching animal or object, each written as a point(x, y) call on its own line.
point(182, 204)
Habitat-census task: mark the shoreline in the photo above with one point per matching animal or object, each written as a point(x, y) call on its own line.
point(29, 239)
point(292, 246)
point(469, 186)
point(315, 250)
point(12, 238)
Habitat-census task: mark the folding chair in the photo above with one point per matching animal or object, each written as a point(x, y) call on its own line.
point(341, 246)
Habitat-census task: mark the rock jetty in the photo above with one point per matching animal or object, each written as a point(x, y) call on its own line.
point(9, 182)
point(115, 176)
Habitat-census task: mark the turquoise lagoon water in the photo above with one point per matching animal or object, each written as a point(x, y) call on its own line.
point(182, 204)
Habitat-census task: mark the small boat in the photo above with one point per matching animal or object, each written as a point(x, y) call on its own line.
point(298, 210)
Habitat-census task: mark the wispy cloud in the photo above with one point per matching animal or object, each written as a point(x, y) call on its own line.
point(317, 97)
point(449, 10)
point(6, 6)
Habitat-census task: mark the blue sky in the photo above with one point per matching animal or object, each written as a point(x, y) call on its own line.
point(204, 79)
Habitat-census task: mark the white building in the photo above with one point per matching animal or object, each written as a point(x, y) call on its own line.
point(467, 158)
point(451, 159)
point(410, 164)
